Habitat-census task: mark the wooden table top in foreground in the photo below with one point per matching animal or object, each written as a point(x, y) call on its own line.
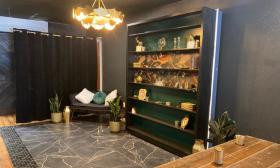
point(256, 153)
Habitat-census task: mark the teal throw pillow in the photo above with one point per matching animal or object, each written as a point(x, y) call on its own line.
point(99, 97)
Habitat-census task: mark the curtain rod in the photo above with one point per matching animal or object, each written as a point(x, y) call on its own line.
point(56, 35)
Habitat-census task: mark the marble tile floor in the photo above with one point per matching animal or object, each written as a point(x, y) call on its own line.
point(89, 145)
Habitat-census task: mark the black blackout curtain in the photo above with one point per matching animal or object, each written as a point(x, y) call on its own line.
point(48, 63)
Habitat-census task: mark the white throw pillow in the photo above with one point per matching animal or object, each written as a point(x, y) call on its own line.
point(85, 96)
point(111, 97)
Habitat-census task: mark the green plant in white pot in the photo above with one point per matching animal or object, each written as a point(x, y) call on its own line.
point(56, 114)
point(115, 114)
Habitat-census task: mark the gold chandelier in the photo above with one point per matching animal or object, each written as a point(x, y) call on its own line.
point(99, 18)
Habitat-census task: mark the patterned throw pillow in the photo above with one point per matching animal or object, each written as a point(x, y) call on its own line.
point(85, 96)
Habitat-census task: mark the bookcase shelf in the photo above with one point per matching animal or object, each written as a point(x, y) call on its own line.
point(162, 87)
point(154, 121)
point(181, 50)
point(163, 123)
point(163, 106)
point(164, 69)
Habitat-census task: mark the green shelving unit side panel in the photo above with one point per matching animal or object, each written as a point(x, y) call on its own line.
point(161, 94)
point(166, 133)
point(167, 115)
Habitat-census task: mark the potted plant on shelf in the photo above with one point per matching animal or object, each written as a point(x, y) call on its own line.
point(116, 114)
point(56, 114)
point(222, 130)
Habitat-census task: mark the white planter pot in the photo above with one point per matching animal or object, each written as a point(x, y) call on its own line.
point(115, 126)
point(56, 117)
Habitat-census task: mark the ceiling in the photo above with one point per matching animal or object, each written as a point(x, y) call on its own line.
point(61, 10)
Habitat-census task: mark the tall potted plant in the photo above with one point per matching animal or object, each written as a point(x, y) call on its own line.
point(56, 114)
point(115, 114)
point(222, 130)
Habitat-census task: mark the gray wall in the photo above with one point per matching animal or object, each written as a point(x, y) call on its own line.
point(249, 75)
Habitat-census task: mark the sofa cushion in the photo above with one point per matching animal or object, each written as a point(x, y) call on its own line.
point(85, 96)
point(111, 97)
point(99, 97)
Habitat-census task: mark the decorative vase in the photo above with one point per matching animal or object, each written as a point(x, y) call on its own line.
point(198, 146)
point(115, 126)
point(56, 117)
point(66, 114)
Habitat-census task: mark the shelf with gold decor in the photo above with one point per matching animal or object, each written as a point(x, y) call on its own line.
point(163, 106)
point(162, 87)
point(172, 78)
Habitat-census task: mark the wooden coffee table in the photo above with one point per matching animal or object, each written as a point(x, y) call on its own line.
point(256, 153)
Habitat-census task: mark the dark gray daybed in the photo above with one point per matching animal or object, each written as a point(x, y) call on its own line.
point(76, 106)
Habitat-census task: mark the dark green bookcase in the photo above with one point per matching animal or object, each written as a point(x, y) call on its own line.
point(154, 122)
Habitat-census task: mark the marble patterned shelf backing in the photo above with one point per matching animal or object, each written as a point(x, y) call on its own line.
point(89, 145)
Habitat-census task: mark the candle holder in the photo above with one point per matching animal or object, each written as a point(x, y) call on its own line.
point(240, 140)
point(219, 155)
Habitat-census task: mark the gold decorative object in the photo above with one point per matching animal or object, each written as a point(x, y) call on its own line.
point(198, 146)
point(219, 155)
point(66, 114)
point(98, 17)
point(184, 122)
point(139, 46)
point(142, 94)
point(138, 77)
point(188, 106)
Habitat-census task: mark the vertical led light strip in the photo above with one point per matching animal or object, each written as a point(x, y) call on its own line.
point(215, 69)
point(100, 62)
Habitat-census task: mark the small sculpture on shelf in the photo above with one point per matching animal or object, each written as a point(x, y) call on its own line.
point(139, 46)
point(133, 110)
point(177, 123)
point(197, 41)
point(162, 43)
point(138, 77)
point(179, 42)
point(175, 43)
point(191, 42)
point(185, 122)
